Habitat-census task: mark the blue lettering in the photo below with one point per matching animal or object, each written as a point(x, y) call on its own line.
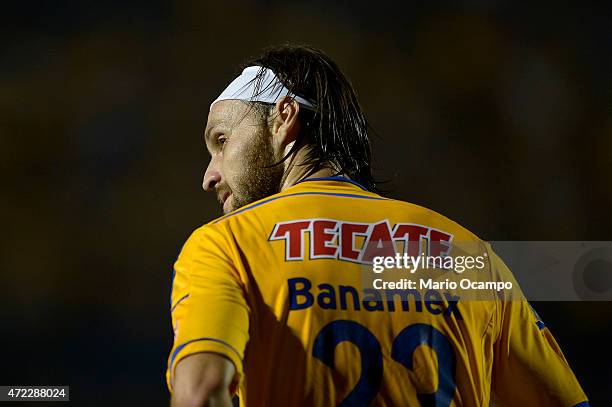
point(432, 297)
point(294, 292)
point(327, 297)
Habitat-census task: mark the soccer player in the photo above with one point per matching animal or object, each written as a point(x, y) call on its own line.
point(272, 300)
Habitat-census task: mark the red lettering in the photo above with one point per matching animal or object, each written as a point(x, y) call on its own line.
point(320, 238)
point(411, 234)
point(331, 239)
point(438, 243)
point(292, 233)
point(379, 243)
point(347, 233)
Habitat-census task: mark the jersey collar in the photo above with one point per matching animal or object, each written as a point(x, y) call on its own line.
point(334, 178)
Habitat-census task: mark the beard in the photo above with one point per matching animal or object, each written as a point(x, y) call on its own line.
point(261, 177)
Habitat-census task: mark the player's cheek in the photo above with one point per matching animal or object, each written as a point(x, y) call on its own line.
point(233, 162)
point(230, 168)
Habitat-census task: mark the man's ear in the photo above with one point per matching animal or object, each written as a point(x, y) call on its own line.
point(285, 125)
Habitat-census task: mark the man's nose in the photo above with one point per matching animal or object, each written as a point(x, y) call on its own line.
point(212, 177)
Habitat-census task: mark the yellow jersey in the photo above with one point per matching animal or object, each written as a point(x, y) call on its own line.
point(278, 288)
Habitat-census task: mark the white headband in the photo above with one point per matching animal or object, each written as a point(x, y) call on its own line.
point(270, 90)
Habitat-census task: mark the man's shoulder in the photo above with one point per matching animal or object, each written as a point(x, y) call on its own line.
point(440, 221)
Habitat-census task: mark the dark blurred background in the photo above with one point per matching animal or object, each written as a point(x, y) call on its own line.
point(493, 113)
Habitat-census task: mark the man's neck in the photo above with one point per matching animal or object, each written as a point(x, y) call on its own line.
point(299, 172)
point(296, 176)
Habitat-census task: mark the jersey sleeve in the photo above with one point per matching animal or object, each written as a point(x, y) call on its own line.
point(209, 310)
point(529, 368)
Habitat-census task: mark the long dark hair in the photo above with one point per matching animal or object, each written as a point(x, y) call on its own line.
point(335, 130)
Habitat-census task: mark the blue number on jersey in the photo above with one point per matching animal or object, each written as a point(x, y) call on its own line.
point(371, 357)
point(404, 346)
point(416, 335)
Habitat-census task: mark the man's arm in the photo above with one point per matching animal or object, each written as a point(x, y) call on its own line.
point(210, 319)
point(529, 367)
point(203, 379)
